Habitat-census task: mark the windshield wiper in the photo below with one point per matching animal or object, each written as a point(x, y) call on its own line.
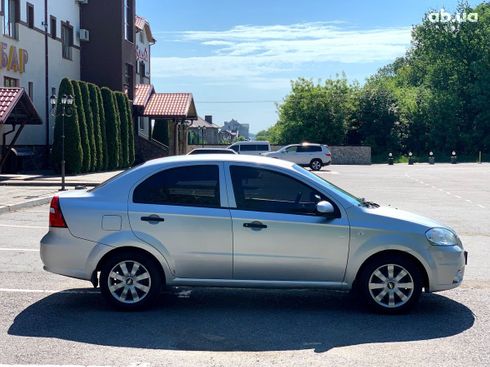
point(368, 204)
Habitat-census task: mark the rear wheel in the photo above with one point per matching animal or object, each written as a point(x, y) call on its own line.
point(316, 164)
point(390, 284)
point(130, 281)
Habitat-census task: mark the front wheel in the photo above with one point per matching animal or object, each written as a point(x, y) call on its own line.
point(316, 164)
point(390, 284)
point(130, 281)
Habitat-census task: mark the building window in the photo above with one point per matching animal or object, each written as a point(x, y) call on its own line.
point(128, 79)
point(141, 123)
point(142, 71)
point(66, 40)
point(10, 18)
point(30, 90)
point(10, 82)
point(30, 15)
point(128, 20)
point(52, 21)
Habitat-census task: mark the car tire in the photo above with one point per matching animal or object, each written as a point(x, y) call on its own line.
point(130, 281)
point(390, 284)
point(316, 164)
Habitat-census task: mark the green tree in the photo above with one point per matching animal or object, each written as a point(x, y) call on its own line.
point(73, 148)
point(96, 114)
point(89, 119)
point(125, 127)
point(131, 133)
point(103, 129)
point(86, 156)
point(113, 129)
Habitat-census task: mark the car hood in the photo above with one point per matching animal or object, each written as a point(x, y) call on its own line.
point(386, 216)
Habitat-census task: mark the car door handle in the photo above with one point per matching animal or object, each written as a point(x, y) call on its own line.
point(152, 218)
point(255, 225)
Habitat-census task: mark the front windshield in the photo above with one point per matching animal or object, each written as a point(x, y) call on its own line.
point(354, 200)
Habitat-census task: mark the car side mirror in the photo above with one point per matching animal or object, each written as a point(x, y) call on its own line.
point(324, 207)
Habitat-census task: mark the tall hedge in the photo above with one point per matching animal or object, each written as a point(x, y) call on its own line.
point(96, 114)
point(89, 119)
point(123, 116)
point(112, 128)
point(131, 148)
point(73, 148)
point(86, 153)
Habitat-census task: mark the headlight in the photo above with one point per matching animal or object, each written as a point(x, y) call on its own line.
point(441, 237)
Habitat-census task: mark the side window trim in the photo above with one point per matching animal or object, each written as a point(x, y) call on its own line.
point(231, 193)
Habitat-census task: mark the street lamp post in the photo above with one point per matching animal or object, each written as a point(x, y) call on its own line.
point(66, 103)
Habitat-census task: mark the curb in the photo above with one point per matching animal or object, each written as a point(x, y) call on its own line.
point(25, 204)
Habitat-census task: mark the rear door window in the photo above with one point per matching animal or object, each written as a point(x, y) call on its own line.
point(185, 186)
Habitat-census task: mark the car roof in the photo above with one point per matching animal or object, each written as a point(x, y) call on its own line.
point(225, 149)
point(217, 158)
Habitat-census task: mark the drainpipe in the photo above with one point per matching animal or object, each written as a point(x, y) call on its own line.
point(46, 72)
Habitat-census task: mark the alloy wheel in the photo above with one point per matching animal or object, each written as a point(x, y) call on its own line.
point(129, 282)
point(391, 285)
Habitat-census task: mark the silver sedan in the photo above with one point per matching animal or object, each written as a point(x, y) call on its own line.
point(244, 221)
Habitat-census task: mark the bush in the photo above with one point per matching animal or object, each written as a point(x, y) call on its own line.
point(73, 148)
point(112, 128)
point(89, 119)
point(94, 92)
point(78, 105)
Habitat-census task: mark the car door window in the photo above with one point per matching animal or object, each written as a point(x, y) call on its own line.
point(248, 148)
point(264, 190)
point(187, 186)
point(291, 150)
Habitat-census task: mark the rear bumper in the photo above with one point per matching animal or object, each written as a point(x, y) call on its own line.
point(63, 254)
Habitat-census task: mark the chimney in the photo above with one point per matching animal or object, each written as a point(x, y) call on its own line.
point(209, 118)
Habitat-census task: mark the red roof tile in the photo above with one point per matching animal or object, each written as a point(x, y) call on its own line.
point(143, 25)
point(8, 99)
point(171, 105)
point(142, 95)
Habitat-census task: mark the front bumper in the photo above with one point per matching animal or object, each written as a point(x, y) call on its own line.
point(449, 267)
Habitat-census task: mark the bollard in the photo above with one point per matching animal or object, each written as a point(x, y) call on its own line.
point(390, 159)
point(410, 158)
point(432, 159)
point(454, 158)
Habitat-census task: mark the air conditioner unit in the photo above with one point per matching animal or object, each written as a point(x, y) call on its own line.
point(82, 2)
point(84, 35)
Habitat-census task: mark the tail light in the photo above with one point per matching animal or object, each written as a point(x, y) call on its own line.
point(328, 154)
point(56, 218)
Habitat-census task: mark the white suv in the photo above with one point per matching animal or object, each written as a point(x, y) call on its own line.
point(313, 155)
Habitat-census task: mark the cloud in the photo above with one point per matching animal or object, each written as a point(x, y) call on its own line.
point(257, 52)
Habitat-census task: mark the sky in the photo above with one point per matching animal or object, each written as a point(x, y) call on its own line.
point(237, 57)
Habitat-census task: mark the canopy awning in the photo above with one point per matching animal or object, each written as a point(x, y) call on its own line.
point(17, 108)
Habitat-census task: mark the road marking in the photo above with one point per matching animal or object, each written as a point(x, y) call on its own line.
point(21, 226)
point(57, 365)
point(49, 291)
point(457, 196)
point(481, 206)
point(19, 249)
point(447, 192)
point(467, 200)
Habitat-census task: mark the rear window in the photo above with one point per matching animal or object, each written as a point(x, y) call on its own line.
point(186, 186)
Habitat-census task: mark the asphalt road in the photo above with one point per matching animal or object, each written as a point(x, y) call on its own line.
point(52, 320)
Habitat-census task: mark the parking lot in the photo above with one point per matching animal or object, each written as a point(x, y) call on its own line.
point(52, 320)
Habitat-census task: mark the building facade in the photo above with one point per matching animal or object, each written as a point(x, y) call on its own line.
point(40, 45)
